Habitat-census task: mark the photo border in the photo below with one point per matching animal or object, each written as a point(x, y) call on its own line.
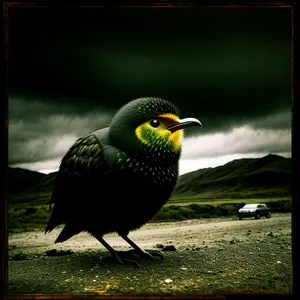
point(79, 4)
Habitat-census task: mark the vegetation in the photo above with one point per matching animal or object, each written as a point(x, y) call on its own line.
point(22, 218)
point(206, 193)
point(211, 200)
point(196, 211)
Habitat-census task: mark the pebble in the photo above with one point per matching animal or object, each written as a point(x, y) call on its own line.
point(169, 248)
point(168, 281)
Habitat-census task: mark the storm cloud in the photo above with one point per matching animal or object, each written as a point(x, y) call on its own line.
point(230, 68)
point(48, 131)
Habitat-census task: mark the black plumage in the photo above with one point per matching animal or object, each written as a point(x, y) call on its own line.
point(111, 181)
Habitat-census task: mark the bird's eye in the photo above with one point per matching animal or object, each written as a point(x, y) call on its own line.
point(154, 123)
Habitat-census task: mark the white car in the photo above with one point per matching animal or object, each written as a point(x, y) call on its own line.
point(256, 210)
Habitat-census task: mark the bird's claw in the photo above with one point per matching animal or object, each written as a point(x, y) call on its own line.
point(121, 260)
point(155, 253)
point(150, 253)
point(135, 256)
point(127, 260)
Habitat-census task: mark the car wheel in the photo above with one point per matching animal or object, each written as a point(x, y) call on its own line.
point(268, 215)
point(257, 216)
point(240, 218)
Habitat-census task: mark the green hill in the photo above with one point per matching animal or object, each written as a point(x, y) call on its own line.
point(269, 176)
point(20, 180)
point(205, 193)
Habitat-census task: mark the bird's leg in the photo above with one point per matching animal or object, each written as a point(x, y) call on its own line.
point(114, 253)
point(148, 253)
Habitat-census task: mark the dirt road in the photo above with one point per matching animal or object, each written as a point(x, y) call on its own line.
point(211, 256)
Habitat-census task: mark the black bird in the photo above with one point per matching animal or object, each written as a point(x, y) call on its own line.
point(117, 178)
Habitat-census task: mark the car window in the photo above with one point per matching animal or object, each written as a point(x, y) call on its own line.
point(250, 206)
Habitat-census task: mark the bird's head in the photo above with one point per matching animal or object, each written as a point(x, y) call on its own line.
point(149, 128)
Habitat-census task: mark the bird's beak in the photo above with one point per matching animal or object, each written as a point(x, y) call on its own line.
point(184, 123)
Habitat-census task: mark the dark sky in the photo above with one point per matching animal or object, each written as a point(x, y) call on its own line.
point(70, 71)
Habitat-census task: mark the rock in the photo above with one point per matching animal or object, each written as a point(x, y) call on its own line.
point(195, 248)
point(160, 246)
point(168, 281)
point(19, 256)
point(169, 248)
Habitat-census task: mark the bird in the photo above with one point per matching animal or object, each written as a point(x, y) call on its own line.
point(117, 178)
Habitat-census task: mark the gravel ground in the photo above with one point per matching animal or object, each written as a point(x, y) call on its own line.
point(200, 256)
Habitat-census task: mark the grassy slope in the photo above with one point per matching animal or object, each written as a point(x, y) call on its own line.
point(208, 192)
point(22, 179)
point(269, 176)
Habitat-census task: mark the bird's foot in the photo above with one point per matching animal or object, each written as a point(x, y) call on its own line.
point(140, 252)
point(122, 260)
point(149, 253)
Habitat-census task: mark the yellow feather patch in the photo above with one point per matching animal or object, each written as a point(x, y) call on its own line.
point(177, 135)
point(176, 138)
point(160, 135)
point(139, 135)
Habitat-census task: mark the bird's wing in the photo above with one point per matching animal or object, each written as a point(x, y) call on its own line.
point(83, 159)
point(81, 167)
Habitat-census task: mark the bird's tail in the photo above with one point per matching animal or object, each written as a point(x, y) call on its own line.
point(69, 230)
point(54, 220)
